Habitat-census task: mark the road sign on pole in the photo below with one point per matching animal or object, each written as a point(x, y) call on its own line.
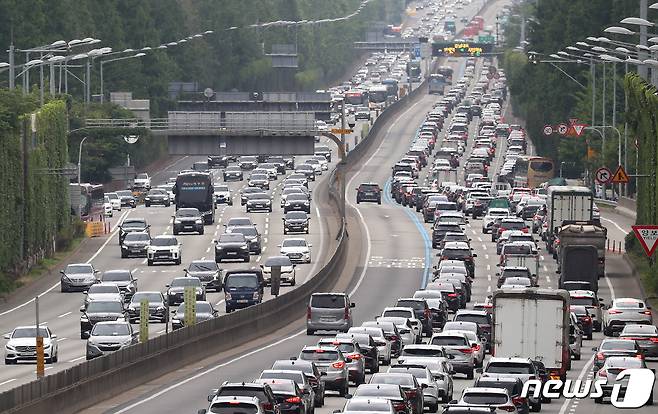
point(603, 175)
point(647, 234)
point(548, 130)
point(189, 296)
point(620, 176)
point(341, 131)
point(578, 129)
point(562, 129)
point(143, 320)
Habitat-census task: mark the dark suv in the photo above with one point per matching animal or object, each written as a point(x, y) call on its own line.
point(188, 219)
point(297, 202)
point(242, 288)
point(262, 392)
point(127, 198)
point(295, 221)
point(441, 229)
point(369, 192)
point(232, 246)
point(157, 196)
point(100, 310)
point(208, 273)
point(421, 310)
point(253, 237)
point(130, 225)
point(135, 244)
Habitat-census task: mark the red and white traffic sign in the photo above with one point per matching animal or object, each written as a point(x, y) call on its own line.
point(578, 129)
point(647, 234)
point(603, 175)
point(562, 129)
point(548, 130)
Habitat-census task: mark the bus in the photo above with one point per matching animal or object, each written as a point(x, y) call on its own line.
point(446, 71)
point(413, 70)
point(356, 97)
point(392, 87)
point(377, 95)
point(436, 84)
point(87, 200)
point(532, 171)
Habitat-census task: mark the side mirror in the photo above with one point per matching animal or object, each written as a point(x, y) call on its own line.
point(310, 244)
point(595, 349)
point(167, 285)
point(323, 374)
point(7, 336)
point(82, 308)
point(53, 336)
point(203, 410)
point(84, 292)
point(62, 272)
point(352, 305)
point(173, 311)
point(293, 358)
point(348, 360)
point(96, 271)
point(478, 370)
point(423, 386)
point(336, 411)
point(475, 255)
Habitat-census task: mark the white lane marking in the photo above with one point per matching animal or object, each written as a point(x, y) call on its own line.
point(162, 331)
point(219, 303)
point(582, 373)
point(64, 314)
point(208, 249)
point(135, 270)
point(484, 246)
point(78, 358)
point(144, 261)
point(486, 256)
point(615, 224)
point(258, 258)
point(480, 239)
point(545, 268)
point(488, 267)
point(489, 278)
point(548, 279)
point(7, 382)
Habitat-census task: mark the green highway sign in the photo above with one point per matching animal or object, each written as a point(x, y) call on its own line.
point(486, 39)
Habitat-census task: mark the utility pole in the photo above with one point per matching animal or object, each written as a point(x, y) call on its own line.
point(12, 69)
point(643, 70)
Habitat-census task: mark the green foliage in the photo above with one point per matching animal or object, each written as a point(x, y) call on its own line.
point(35, 199)
point(542, 95)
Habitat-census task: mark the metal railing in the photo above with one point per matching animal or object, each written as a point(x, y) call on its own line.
point(217, 125)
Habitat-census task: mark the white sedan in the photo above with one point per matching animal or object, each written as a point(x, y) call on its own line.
point(297, 249)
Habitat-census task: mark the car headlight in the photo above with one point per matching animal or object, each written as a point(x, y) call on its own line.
point(227, 296)
point(161, 308)
point(175, 320)
point(128, 341)
point(147, 198)
point(198, 221)
point(244, 247)
point(84, 319)
point(305, 203)
point(10, 347)
point(256, 295)
point(66, 279)
point(218, 247)
point(177, 221)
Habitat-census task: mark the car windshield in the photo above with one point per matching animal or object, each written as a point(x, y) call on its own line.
point(278, 261)
point(479, 319)
point(29, 332)
point(238, 281)
point(102, 306)
point(116, 276)
point(137, 236)
point(367, 405)
point(151, 297)
point(583, 300)
point(398, 313)
point(164, 241)
point(78, 269)
point(294, 243)
point(202, 266)
point(391, 379)
point(297, 197)
point(124, 193)
point(416, 372)
point(133, 224)
point(509, 368)
point(457, 253)
point(628, 305)
point(296, 215)
point(369, 187)
point(185, 281)
point(487, 398)
point(328, 301)
point(449, 340)
point(640, 330)
point(244, 221)
point(231, 238)
point(319, 355)
point(111, 329)
point(414, 304)
point(261, 177)
point(103, 289)
point(157, 191)
point(374, 391)
point(344, 347)
point(427, 352)
point(234, 407)
point(188, 212)
point(618, 345)
point(247, 231)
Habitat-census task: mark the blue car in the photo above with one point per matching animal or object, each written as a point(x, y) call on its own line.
point(242, 288)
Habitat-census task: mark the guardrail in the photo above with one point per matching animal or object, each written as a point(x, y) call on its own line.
point(219, 126)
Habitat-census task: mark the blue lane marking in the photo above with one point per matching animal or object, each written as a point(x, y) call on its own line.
point(421, 229)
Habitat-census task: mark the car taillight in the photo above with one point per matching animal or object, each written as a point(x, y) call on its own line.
point(410, 393)
point(338, 365)
point(587, 319)
point(654, 339)
point(518, 400)
point(346, 315)
point(393, 338)
point(444, 257)
point(452, 295)
point(476, 348)
point(600, 356)
point(354, 356)
point(399, 406)
point(508, 408)
point(613, 312)
point(646, 312)
point(267, 406)
point(466, 350)
point(639, 356)
point(294, 400)
point(308, 312)
point(525, 229)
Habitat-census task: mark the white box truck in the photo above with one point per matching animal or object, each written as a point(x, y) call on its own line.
point(566, 203)
point(533, 323)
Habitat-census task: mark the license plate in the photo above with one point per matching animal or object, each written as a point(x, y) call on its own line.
point(327, 320)
point(242, 300)
point(231, 253)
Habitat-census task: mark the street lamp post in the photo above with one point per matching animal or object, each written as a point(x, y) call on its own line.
point(137, 55)
point(80, 159)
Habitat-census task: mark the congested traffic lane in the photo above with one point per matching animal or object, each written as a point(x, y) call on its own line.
point(61, 310)
point(391, 265)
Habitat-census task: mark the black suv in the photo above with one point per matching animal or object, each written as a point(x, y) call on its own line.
point(220, 161)
point(253, 237)
point(263, 392)
point(127, 198)
point(208, 273)
point(248, 162)
point(157, 196)
point(158, 308)
point(280, 164)
point(232, 246)
point(135, 244)
point(130, 225)
point(188, 219)
point(295, 221)
point(233, 174)
point(369, 192)
point(100, 310)
point(441, 229)
point(297, 202)
point(421, 310)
